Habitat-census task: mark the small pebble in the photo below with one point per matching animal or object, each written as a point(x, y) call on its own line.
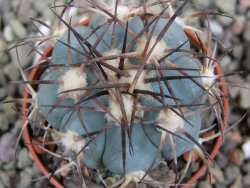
point(246, 63)
point(3, 46)
point(237, 183)
point(220, 185)
point(246, 180)
point(238, 51)
point(244, 96)
point(217, 174)
point(195, 166)
point(228, 8)
point(18, 28)
point(10, 166)
point(236, 157)
point(3, 80)
point(225, 21)
point(11, 90)
point(24, 60)
point(228, 65)
point(3, 93)
point(25, 177)
point(26, 11)
point(4, 123)
point(204, 184)
point(221, 159)
point(5, 6)
point(24, 159)
point(7, 147)
point(201, 3)
point(6, 178)
point(216, 28)
point(9, 112)
point(12, 72)
point(238, 26)
point(8, 33)
point(235, 136)
point(246, 167)
point(245, 3)
point(73, 182)
point(246, 149)
point(231, 173)
point(246, 34)
point(231, 145)
point(1, 185)
point(234, 93)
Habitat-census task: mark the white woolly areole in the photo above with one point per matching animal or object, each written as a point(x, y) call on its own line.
point(113, 62)
point(137, 176)
point(59, 32)
point(169, 120)
point(70, 141)
point(209, 78)
point(115, 110)
point(140, 83)
point(72, 79)
point(122, 12)
point(156, 9)
point(158, 51)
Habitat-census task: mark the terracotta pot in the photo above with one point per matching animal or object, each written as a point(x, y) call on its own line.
point(35, 73)
point(218, 141)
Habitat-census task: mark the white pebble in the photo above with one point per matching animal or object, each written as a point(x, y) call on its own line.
point(246, 149)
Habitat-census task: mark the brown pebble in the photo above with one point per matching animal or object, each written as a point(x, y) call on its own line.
point(236, 137)
point(211, 179)
point(238, 27)
point(236, 156)
point(245, 3)
point(187, 154)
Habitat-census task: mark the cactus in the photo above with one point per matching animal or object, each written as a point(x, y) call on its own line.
point(125, 91)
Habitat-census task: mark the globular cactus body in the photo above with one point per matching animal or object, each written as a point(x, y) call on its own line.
point(128, 94)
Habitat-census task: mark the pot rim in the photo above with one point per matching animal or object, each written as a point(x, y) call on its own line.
point(45, 170)
point(219, 139)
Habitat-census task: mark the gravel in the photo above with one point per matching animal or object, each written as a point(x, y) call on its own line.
point(231, 171)
point(246, 33)
point(26, 11)
point(246, 180)
point(12, 72)
point(245, 3)
point(3, 122)
point(8, 33)
point(22, 56)
point(216, 28)
point(18, 28)
point(228, 8)
point(3, 80)
point(7, 147)
point(204, 184)
point(244, 96)
point(217, 173)
point(237, 52)
point(24, 159)
point(3, 93)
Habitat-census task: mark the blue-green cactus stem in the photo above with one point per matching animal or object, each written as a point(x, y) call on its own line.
point(144, 152)
point(94, 121)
